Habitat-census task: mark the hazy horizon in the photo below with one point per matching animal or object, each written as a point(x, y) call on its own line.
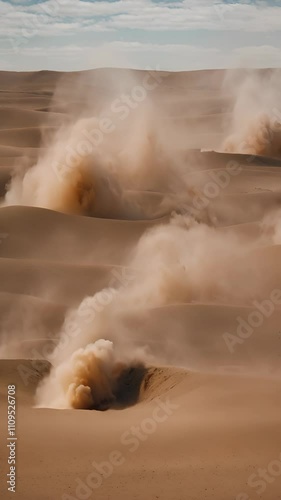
point(172, 35)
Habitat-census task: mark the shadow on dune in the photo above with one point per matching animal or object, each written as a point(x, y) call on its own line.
point(137, 384)
point(127, 389)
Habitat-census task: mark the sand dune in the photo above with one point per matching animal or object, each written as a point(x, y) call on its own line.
point(29, 137)
point(49, 280)
point(140, 274)
point(83, 240)
point(26, 118)
point(175, 456)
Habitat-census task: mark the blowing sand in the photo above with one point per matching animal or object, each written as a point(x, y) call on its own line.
point(140, 246)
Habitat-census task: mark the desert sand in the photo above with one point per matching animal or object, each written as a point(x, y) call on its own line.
point(140, 284)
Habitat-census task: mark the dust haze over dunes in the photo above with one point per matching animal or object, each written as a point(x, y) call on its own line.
point(140, 259)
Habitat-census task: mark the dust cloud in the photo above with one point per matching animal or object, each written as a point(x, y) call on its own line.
point(97, 167)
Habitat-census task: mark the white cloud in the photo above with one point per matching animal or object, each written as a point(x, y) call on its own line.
point(52, 24)
point(138, 14)
point(199, 15)
point(258, 56)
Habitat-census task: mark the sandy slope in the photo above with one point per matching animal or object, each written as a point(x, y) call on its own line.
point(220, 430)
point(223, 424)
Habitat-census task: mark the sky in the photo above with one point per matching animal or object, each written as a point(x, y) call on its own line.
point(171, 35)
